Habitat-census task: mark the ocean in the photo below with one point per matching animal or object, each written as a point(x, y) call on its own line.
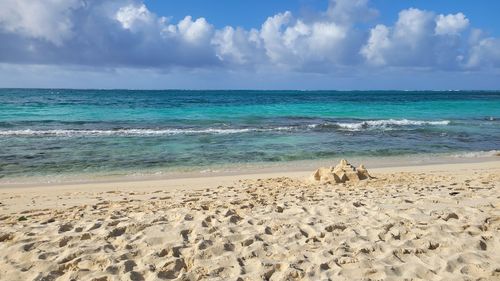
point(46, 132)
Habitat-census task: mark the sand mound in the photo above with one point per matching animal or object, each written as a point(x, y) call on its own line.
point(341, 173)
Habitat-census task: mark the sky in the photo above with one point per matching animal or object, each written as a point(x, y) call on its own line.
point(243, 44)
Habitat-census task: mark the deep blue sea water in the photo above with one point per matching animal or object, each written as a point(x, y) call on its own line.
point(49, 132)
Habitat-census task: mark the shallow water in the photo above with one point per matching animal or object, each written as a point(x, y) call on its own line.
point(49, 132)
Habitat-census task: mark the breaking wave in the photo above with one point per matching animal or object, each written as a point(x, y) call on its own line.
point(388, 124)
point(133, 132)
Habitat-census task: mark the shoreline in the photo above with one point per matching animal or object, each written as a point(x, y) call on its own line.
point(246, 169)
point(18, 195)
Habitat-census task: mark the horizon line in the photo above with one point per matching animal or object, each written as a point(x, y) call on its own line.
point(253, 90)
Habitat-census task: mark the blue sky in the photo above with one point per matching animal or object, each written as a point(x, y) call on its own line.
point(258, 44)
point(250, 14)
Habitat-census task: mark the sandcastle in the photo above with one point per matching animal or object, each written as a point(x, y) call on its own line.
point(341, 173)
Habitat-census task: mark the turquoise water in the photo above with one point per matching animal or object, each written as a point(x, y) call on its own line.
point(53, 132)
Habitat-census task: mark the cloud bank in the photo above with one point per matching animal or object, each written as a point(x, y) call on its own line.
point(125, 33)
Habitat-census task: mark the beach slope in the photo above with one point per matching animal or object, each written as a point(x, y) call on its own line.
point(439, 222)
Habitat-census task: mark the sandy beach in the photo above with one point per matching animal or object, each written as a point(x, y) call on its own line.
point(321, 140)
point(434, 222)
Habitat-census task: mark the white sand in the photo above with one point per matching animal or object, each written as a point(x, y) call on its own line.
point(439, 222)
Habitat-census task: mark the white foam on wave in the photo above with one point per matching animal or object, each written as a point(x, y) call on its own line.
point(133, 132)
point(385, 124)
point(477, 154)
point(358, 126)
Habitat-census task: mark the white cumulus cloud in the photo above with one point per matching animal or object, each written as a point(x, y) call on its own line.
point(451, 24)
point(238, 46)
point(485, 53)
point(50, 20)
point(131, 15)
point(327, 41)
point(126, 33)
point(418, 39)
point(196, 31)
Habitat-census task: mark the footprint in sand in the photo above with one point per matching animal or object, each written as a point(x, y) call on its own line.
point(64, 241)
point(95, 226)
point(185, 234)
point(129, 265)
point(117, 231)
point(28, 247)
point(172, 269)
point(6, 237)
point(204, 244)
point(136, 276)
point(65, 227)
